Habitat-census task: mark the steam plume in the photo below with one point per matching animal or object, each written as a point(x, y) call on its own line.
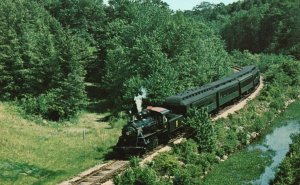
point(139, 98)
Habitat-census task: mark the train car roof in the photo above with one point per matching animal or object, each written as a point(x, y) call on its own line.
point(245, 70)
point(194, 90)
point(189, 96)
point(160, 110)
point(246, 75)
point(221, 82)
point(186, 100)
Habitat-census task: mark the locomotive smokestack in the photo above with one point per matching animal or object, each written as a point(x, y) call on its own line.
point(139, 98)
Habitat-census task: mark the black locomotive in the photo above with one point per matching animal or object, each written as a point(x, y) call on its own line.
point(156, 125)
point(149, 128)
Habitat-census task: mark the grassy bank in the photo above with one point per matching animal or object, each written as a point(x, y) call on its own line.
point(236, 170)
point(50, 153)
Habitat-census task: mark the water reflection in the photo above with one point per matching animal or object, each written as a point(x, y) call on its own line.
point(278, 143)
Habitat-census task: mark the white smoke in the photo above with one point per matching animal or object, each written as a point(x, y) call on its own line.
point(139, 99)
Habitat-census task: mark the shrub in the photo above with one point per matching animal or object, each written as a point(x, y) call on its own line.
point(135, 162)
point(205, 136)
point(139, 176)
point(53, 105)
point(277, 104)
point(166, 164)
point(187, 151)
point(191, 175)
point(243, 137)
point(44, 106)
point(231, 141)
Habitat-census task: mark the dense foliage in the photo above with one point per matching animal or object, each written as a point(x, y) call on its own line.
point(51, 48)
point(84, 19)
point(41, 63)
point(270, 26)
point(161, 51)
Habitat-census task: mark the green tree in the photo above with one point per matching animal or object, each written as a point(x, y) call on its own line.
point(205, 135)
point(41, 63)
point(270, 26)
point(163, 52)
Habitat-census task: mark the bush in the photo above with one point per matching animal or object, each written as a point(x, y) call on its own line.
point(191, 175)
point(49, 106)
point(135, 162)
point(139, 176)
point(187, 151)
point(166, 164)
point(243, 138)
point(231, 142)
point(205, 136)
point(277, 104)
point(44, 106)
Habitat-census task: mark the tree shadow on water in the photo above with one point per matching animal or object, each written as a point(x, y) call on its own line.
point(12, 171)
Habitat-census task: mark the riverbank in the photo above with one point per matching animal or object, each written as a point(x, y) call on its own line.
point(248, 166)
point(289, 169)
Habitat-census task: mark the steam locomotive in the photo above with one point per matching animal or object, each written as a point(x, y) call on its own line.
point(155, 125)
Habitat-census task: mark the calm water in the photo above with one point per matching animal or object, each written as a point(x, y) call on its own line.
point(278, 144)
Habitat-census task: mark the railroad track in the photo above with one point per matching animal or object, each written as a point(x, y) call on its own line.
point(104, 173)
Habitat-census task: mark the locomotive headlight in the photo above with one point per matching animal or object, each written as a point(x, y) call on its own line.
point(129, 131)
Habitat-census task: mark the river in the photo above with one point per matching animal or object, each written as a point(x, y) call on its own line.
point(275, 144)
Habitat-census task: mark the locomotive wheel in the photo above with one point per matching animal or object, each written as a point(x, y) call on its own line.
point(153, 143)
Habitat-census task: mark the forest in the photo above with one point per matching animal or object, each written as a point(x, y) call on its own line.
point(53, 51)
point(52, 48)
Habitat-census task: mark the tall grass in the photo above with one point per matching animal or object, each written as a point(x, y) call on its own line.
point(31, 153)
